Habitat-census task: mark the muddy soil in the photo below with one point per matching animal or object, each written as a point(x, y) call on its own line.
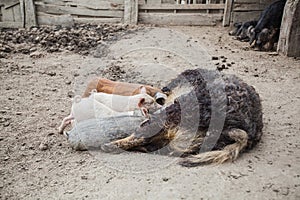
point(39, 79)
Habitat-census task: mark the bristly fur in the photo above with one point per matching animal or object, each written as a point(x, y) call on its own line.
point(229, 95)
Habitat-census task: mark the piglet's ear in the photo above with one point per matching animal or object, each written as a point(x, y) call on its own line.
point(143, 90)
point(141, 102)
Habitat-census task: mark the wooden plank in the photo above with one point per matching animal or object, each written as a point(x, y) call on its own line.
point(51, 2)
point(64, 20)
point(179, 19)
point(141, 2)
point(103, 6)
point(30, 17)
point(22, 12)
point(6, 2)
point(98, 20)
point(249, 7)
point(131, 11)
point(53, 9)
point(168, 1)
point(92, 4)
point(17, 13)
point(154, 2)
point(182, 7)
point(289, 39)
point(227, 12)
point(245, 16)
point(11, 24)
point(254, 1)
point(7, 14)
point(11, 3)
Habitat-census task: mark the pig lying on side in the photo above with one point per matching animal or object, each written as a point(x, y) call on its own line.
point(94, 133)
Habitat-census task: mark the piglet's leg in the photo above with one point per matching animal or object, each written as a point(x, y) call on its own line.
point(65, 122)
point(145, 112)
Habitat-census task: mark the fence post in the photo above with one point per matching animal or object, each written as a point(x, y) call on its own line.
point(30, 17)
point(227, 12)
point(130, 11)
point(22, 13)
point(289, 38)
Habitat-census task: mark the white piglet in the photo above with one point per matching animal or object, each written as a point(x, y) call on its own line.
point(99, 105)
point(119, 103)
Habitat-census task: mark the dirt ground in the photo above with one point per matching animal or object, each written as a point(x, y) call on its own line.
point(36, 89)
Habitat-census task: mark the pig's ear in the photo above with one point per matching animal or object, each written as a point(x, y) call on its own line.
point(77, 99)
point(143, 90)
point(141, 102)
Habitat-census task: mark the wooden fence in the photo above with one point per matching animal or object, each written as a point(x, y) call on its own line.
point(201, 12)
point(246, 10)
point(26, 13)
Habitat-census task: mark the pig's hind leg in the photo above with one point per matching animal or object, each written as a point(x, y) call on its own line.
point(65, 122)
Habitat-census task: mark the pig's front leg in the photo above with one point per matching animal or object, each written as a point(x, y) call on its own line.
point(124, 144)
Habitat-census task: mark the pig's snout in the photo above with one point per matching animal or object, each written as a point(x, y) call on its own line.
point(160, 98)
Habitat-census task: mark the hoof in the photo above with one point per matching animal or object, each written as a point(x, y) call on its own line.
point(60, 130)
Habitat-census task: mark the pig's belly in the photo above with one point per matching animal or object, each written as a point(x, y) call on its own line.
point(91, 134)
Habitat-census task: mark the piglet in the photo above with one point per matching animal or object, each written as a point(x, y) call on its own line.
point(99, 105)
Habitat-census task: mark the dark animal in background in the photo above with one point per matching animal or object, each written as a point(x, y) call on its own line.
point(242, 129)
point(236, 26)
point(266, 39)
point(242, 31)
point(270, 18)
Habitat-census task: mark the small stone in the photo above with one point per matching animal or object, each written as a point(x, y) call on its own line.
point(33, 49)
point(285, 191)
point(6, 124)
point(70, 94)
point(275, 190)
point(43, 147)
point(36, 54)
point(51, 73)
point(220, 68)
point(273, 54)
point(165, 179)
point(214, 58)
point(270, 162)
